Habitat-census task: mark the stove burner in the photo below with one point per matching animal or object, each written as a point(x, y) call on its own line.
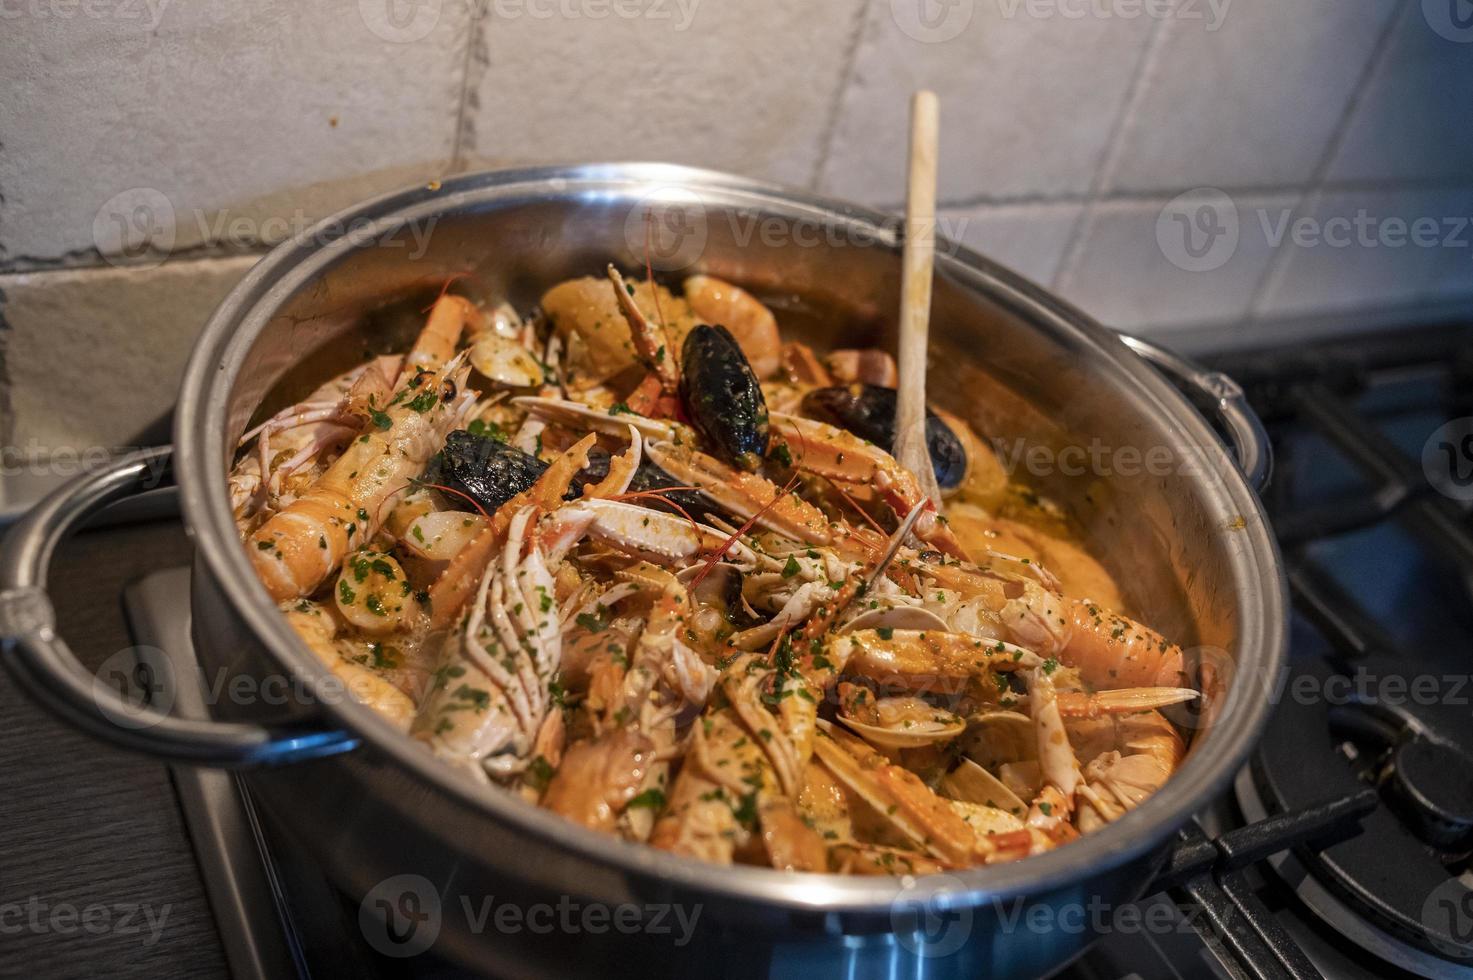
point(1431, 789)
point(1392, 870)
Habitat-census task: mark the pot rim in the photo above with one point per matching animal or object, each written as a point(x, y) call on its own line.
point(220, 350)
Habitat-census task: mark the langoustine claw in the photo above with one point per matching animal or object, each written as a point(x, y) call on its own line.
point(844, 458)
point(490, 694)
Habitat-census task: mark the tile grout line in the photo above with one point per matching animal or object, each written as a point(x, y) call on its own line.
point(1167, 193)
point(1109, 160)
point(463, 105)
point(836, 104)
point(82, 260)
point(1271, 277)
point(176, 260)
point(7, 414)
point(3, 249)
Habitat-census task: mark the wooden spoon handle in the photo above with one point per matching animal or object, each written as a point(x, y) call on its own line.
point(915, 293)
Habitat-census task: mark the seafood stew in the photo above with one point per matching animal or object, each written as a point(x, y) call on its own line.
point(641, 562)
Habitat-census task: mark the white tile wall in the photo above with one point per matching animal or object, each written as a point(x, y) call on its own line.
point(1067, 127)
point(1248, 97)
point(1345, 251)
point(1028, 238)
point(1414, 120)
point(1027, 102)
point(741, 87)
point(94, 356)
point(251, 109)
point(1133, 270)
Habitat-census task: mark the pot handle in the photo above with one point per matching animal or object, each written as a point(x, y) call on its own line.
point(42, 663)
point(1249, 439)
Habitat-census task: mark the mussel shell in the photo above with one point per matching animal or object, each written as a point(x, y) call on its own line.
point(651, 477)
point(648, 477)
point(491, 472)
point(868, 411)
point(483, 468)
point(722, 397)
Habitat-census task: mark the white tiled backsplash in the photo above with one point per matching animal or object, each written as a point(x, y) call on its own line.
point(1082, 142)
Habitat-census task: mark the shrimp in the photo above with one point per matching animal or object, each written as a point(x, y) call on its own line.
point(299, 547)
point(869, 365)
point(1111, 650)
point(294, 438)
point(1146, 751)
point(926, 821)
point(319, 630)
point(638, 717)
point(756, 760)
point(599, 778)
point(841, 456)
point(1051, 810)
point(449, 318)
point(598, 345)
point(716, 301)
point(712, 809)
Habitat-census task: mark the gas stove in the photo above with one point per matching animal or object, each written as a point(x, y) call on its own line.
point(1343, 849)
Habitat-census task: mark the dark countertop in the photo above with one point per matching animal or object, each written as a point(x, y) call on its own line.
point(97, 875)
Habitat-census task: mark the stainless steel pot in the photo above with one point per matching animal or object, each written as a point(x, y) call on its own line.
point(1090, 415)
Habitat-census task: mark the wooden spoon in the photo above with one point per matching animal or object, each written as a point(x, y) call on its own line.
point(915, 295)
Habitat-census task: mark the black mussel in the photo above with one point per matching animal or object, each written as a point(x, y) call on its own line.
point(650, 477)
point(491, 472)
point(868, 411)
point(483, 468)
point(595, 471)
point(722, 397)
point(647, 477)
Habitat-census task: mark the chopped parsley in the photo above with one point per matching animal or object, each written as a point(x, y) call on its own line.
point(652, 798)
